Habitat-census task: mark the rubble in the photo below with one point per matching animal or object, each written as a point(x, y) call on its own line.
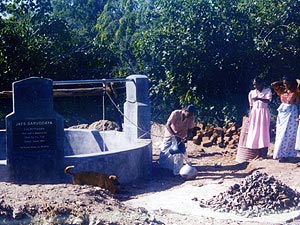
point(257, 195)
point(226, 137)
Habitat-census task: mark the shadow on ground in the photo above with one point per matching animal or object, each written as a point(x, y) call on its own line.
point(163, 179)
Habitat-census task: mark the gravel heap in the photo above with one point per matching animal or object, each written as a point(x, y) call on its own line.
point(258, 194)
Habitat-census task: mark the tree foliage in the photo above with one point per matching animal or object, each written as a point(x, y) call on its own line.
point(207, 52)
point(38, 41)
point(199, 51)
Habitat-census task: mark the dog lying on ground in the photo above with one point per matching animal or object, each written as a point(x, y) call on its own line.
point(102, 180)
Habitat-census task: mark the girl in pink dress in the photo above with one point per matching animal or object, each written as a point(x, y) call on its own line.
point(259, 118)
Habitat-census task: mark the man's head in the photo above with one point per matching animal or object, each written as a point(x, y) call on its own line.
point(190, 110)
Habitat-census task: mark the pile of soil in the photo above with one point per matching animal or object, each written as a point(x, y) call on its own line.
point(72, 204)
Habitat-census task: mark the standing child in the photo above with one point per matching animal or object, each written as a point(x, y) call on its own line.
point(259, 118)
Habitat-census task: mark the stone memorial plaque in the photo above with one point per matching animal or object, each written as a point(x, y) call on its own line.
point(34, 135)
point(35, 132)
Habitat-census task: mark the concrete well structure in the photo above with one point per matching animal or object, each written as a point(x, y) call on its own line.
point(126, 154)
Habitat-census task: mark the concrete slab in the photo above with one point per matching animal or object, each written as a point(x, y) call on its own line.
point(180, 200)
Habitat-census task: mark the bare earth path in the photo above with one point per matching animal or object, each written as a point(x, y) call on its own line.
point(217, 170)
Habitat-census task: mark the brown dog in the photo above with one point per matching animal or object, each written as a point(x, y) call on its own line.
point(102, 180)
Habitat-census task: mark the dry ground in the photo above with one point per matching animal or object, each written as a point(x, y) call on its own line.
point(71, 204)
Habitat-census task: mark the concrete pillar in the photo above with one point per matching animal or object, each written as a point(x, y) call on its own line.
point(136, 108)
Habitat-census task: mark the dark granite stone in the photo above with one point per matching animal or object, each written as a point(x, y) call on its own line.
point(34, 133)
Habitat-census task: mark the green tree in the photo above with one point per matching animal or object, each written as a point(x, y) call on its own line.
point(116, 27)
point(208, 51)
point(277, 34)
point(80, 15)
point(37, 41)
point(199, 51)
point(24, 45)
point(83, 59)
point(191, 52)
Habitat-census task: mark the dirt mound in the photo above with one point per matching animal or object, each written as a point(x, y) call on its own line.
point(98, 125)
point(64, 204)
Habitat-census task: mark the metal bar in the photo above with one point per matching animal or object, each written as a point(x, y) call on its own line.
point(57, 92)
point(96, 81)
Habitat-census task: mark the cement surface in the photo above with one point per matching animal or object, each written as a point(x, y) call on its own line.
point(183, 200)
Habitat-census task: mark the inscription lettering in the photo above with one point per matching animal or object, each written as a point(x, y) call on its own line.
point(34, 135)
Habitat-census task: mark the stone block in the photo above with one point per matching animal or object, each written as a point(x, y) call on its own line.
point(35, 133)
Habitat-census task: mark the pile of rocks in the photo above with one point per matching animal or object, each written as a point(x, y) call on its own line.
point(258, 194)
point(222, 136)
